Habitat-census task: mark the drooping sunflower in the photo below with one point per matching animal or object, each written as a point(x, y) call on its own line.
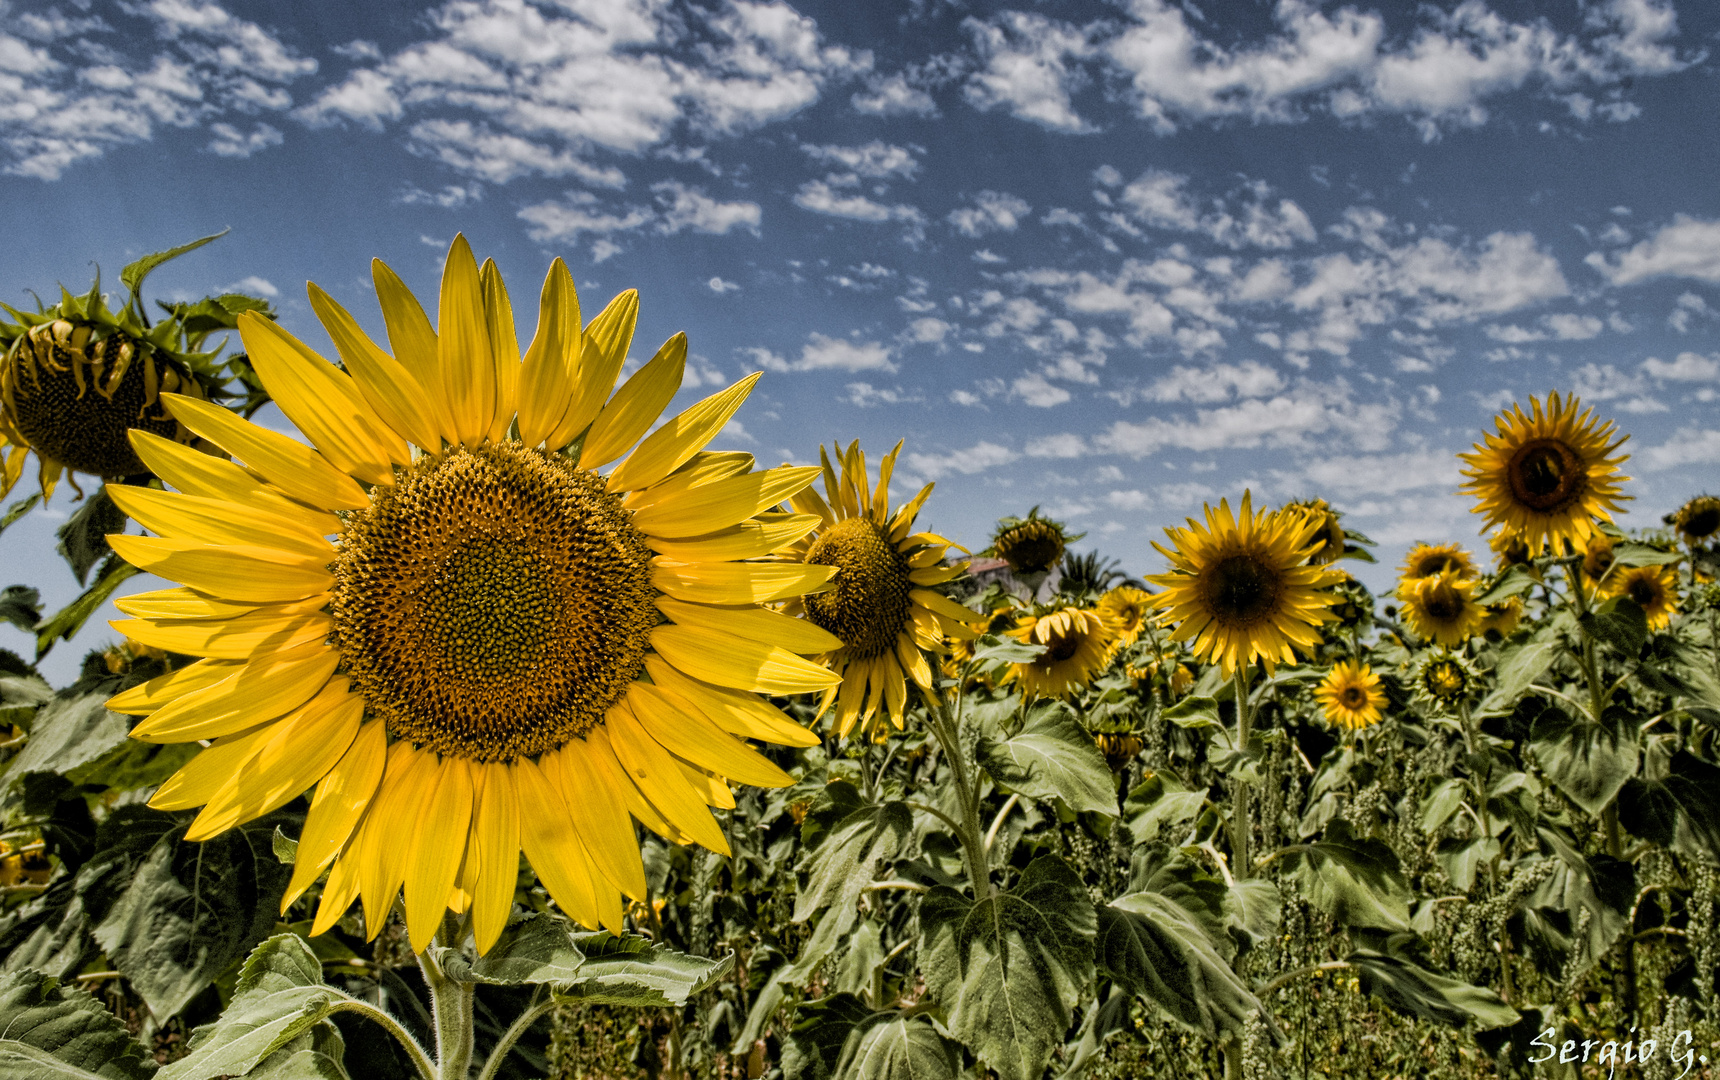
point(1442, 608)
point(1549, 475)
point(1127, 609)
point(1032, 546)
point(1351, 695)
point(1240, 586)
point(502, 648)
point(1503, 616)
point(1697, 520)
point(1328, 531)
point(881, 613)
point(1444, 679)
point(1430, 560)
point(1653, 588)
point(1078, 644)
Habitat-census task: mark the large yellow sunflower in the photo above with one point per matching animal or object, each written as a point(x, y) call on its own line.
point(882, 614)
point(1442, 608)
point(1428, 560)
point(1127, 609)
point(1654, 588)
point(1547, 476)
point(1351, 695)
point(1078, 645)
point(502, 648)
point(1240, 586)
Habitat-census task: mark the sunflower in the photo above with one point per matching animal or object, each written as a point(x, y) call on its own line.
point(1653, 588)
point(1597, 556)
point(1240, 587)
point(1502, 616)
point(1078, 642)
point(1547, 476)
point(1430, 560)
point(1032, 546)
point(1697, 520)
point(502, 649)
point(882, 615)
point(1443, 679)
point(1351, 695)
point(1328, 528)
point(1511, 550)
point(1127, 609)
point(1442, 608)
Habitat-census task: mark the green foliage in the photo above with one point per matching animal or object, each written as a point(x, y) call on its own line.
point(1052, 757)
point(49, 1031)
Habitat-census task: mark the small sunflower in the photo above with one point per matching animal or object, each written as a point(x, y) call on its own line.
point(1032, 545)
point(1511, 550)
point(1351, 696)
point(1653, 588)
point(1502, 616)
point(1078, 644)
point(1442, 608)
point(1240, 586)
point(1119, 748)
point(1328, 528)
point(1443, 679)
point(1431, 560)
point(1547, 476)
point(882, 607)
point(502, 649)
point(1127, 609)
point(1698, 520)
point(1597, 556)
point(1352, 604)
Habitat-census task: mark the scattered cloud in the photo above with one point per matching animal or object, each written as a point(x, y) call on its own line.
point(678, 207)
point(822, 353)
point(1030, 65)
point(876, 160)
point(1160, 199)
point(992, 211)
point(977, 458)
point(719, 286)
point(1688, 247)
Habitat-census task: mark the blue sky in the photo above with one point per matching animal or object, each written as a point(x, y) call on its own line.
point(1111, 258)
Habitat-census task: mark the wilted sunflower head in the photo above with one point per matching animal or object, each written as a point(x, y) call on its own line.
point(1442, 608)
point(1431, 560)
point(1351, 695)
point(1241, 587)
point(1502, 616)
point(1597, 556)
point(882, 606)
point(1078, 643)
point(1443, 679)
point(1127, 609)
point(1032, 545)
point(1654, 589)
point(1548, 475)
point(1328, 528)
point(1698, 520)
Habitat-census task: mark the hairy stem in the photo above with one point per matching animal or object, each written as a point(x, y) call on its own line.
point(1241, 824)
point(451, 1006)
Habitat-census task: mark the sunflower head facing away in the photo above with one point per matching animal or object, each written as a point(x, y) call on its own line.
point(1431, 560)
point(1653, 588)
point(1032, 545)
point(1548, 475)
point(882, 612)
point(1078, 642)
point(1127, 609)
point(1445, 679)
point(1240, 586)
point(538, 620)
point(1501, 616)
point(1351, 696)
point(1697, 520)
point(1511, 550)
point(1442, 608)
point(1328, 528)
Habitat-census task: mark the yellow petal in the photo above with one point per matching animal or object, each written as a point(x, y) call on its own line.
point(752, 624)
point(705, 467)
point(414, 343)
point(551, 363)
point(288, 464)
point(463, 346)
point(686, 732)
point(385, 382)
point(323, 402)
point(338, 894)
point(337, 807)
point(234, 572)
point(602, 820)
point(215, 521)
point(636, 406)
point(551, 845)
point(271, 685)
point(711, 789)
point(651, 768)
point(210, 772)
point(718, 505)
point(603, 349)
point(496, 835)
point(936, 575)
point(382, 854)
point(913, 661)
point(667, 448)
point(197, 473)
point(504, 346)
point(738, 713)
point(939, 604)
point(183, 603)
point(810, 502)
point(763, 535)
point(437, 846)
point(737, 583)
point(228, 639)
point(621, 788)
point(740, 664)
point(165, 689)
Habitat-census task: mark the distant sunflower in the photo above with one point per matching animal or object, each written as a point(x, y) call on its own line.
point(1549, 475)
point(502, 648)
point(1127, 609)
point(1351, 695)
point(1698, 520)
point(1442, 608)
point(1328, 528)
point(882, 610)
point(1653, 588)
point(1431, 560)
point(1032, 545)
point(1444, 679)
point(1510, 550)
point(1078, 645)
point(1241, 588)
point(1502, 616)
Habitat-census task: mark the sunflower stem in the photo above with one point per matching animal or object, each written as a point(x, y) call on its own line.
point(945, 730)
point(541, 1003)
point(451, 1006)
point(1241, 826)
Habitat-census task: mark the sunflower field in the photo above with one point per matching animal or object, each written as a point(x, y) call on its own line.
point(495, 727)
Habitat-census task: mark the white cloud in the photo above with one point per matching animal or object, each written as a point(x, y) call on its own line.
point(1688, 367)
point(451, 197)
point(1350, 476)
point(1128, 500)
point(683, 207)
point(1219, 382)
point(1568, 327)
point(1063, 445)
point(822, 353)
point(819, 197)
point(1687, 446)
point(1290, 420)
point(864, 395)
point(1033, 389)
point(1604, 382)
point(719, 286)
point(928, 330)
point(579, 212)
point(977, 458)
point(1159, 199)
point(992, 211)
point(1688, 247)
point(893, 95)
point(1688, 308)
point(678, 207)
point(876, 160)
point(1030, 65)
point(253, 286)
point(229, 141)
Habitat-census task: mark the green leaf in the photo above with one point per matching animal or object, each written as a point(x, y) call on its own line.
point(1440, 804)
point(842, 1037)
point(1416, 991)
point(1194, 711)
point(1643, 555)
point(994, 649)
point(1353, 879)
point(1681, 810)
point(905, 1048)
point(632, 972)
point(1157, 803)
point(1154, 948)
point(1602, 886)
point(535, 949)
point(823, 1029)
point(279, 998)
point(66, 733)
point(1052, 757)
point(83, 538)
point(1619, 623)
point(1589, 761)
point(1461, 858)
point(316, 1055)
point(1515, 581)
point(846, 838)
point(49, 1031)
point(286, 848)
point(21, 606)
point(17, 510)
point(1519, 666)
point(134, 273)
point(66, 622)
point(1008, 969)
